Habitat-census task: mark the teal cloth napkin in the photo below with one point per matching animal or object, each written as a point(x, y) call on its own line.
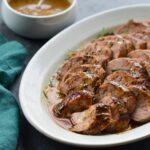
point(12, 56)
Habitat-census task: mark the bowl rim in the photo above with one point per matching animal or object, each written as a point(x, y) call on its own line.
point(73, 4)
point(56, 138)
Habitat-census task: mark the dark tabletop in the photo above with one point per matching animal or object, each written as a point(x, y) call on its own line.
point(30, 138)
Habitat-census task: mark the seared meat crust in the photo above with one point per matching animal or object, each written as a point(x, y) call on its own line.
point(110, 115)
point(106, 84)
point(75, 102)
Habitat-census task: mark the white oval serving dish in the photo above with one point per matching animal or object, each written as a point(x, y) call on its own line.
point(49, 58)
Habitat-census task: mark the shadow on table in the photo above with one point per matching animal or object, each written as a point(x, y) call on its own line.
point(31, 139)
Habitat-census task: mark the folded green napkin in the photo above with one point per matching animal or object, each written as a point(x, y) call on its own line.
point(12, 56)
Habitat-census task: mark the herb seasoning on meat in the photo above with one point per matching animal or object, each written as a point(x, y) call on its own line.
point(105, 86)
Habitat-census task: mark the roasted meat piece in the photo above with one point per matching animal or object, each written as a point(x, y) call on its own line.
point(137, 32)
point(105, 86)
point(143, 55)
point(138, 69)
point(79, 60)
point(88, 69)
point(117, 90)
point(99, 49)
point(75, 102)
point(120, 45)
point(142, 111)
point(137, 83)
point(77, 82)
point(133, 27)
point(139, 40)
point(113, 46)
point(131, 65)
point(85, 77)
point(110, 115)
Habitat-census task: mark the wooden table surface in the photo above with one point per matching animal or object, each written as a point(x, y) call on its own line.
point(30, 138)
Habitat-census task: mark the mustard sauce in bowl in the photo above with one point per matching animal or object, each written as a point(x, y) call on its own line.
point(49, 7)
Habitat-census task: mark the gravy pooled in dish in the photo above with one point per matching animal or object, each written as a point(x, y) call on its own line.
point(105, 86)
point(49, 7)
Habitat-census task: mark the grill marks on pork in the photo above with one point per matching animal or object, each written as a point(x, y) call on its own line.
point(77, 82)
point(75, 102)
point(79, 60)
point(82, 77)
point(106, 84)
point(109, 115)
point(98, 49)
point(138, 83)
point(106, 48)
point(133, 69)
point(132, 65)
point(114, 46)
point(115, 89)
point(119, 45)
point(143, 56)
point(142, 112)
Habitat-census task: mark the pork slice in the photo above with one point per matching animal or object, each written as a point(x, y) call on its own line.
point(82, 77)
point(88, 69)
point(126, 82)
point(118, 48)
point(84, 122)
point(103, 52)
point(118, 90)
point(101, 117)
point(111, 46)
point(78, 60)
point(133, 27)
point(75, 102)
point(143, 55)
point(126, 79)
point(121, 44)
point(138, 42)
point(120, 116)
point(121, 77)
point(142, 111)
point(96, 48)
point(78, 82)
point(137, 65)
point(138, 70)
point(137, 86)
point(131, 65)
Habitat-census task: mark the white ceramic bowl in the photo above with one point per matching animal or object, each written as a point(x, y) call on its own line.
point(48, 59)
point(37, 27)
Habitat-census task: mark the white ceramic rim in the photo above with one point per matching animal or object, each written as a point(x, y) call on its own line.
point(68, 141)
point(73, 4)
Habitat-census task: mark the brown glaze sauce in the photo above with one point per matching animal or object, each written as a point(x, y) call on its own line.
point(49, 7)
